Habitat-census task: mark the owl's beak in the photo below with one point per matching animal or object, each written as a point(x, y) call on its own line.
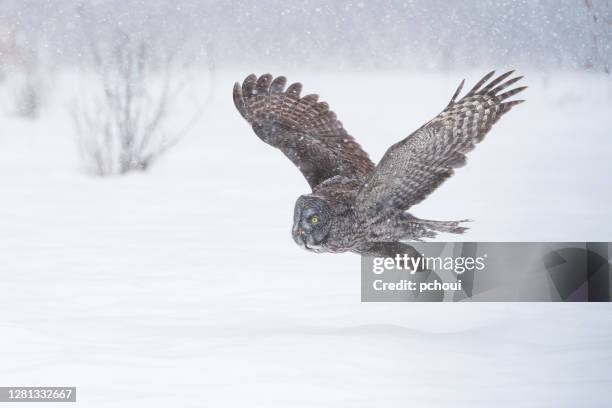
point(300, 237)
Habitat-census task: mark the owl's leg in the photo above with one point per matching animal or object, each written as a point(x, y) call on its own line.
point(388, 249)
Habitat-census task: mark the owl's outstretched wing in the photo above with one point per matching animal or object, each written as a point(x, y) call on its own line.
point(305, 130)
point(413, 168)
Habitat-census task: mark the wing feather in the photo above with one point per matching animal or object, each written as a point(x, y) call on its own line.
point(303, 128)
point(413, 168)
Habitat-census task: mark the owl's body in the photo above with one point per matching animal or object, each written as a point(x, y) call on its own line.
point(354, 205)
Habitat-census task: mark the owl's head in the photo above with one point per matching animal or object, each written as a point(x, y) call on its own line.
point(312, 220)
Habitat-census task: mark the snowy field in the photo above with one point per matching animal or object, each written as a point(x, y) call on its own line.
point(182, 287)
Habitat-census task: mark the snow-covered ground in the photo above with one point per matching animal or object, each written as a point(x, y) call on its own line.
point(182, 287)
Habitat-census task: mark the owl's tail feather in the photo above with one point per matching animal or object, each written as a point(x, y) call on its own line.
point(429, 228)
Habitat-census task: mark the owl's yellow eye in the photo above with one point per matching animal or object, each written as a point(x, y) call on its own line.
point(314, 219)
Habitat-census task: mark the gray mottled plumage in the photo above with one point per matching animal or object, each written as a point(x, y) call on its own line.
point(355, 206)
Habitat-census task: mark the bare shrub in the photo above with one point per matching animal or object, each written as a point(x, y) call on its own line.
point(119, 124)
point(131, 85)
point(28, 95)
point(22, 68)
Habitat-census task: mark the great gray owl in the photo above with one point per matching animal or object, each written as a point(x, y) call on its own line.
point(354, 205)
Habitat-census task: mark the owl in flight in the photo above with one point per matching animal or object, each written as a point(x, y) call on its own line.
point(355, 205)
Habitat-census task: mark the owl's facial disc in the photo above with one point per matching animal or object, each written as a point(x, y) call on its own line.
point(311, 223)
